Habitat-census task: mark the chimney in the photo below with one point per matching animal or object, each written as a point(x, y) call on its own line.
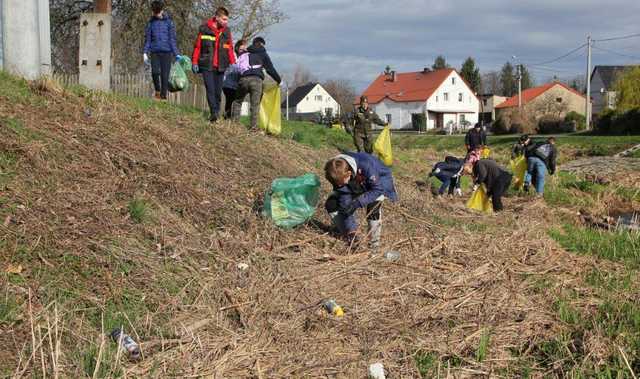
point(426, 70)
point(393, 76)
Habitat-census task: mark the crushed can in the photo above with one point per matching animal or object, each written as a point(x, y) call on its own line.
point(126, 343)
point(333, 308)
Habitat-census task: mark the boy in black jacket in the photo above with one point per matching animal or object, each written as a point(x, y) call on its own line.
point(541, 157)
point(251, 64)
point(496, 179)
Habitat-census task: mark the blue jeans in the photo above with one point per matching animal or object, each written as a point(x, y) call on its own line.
point(536, 170)
point(447, 182)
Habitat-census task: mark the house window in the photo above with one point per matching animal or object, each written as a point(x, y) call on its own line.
point(436, 99)
point(558, 100)
point(484, 102)
point(453, 81)
point(328, 112)
point(446, 96)
point(460, 97)
point(318, 97)
point(388, 118)
point(463, 119)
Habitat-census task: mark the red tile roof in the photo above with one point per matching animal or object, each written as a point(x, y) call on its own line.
point(532, 93)
point(408, 87)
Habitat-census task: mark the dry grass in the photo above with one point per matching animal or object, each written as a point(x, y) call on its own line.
point(173, 281)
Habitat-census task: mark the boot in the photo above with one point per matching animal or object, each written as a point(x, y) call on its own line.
point(157, 95)
point(375, 231)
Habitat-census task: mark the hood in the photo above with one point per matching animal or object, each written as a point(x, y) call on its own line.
point(211, 24)
point(350, 160)
point(256, 49)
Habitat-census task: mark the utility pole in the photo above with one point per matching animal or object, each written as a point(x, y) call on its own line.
point(587, 107)
point(103, 6)
point(520, 87)
point(286, 84)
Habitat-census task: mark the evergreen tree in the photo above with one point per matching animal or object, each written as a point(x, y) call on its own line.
point(471, 74)
point(508, 83)
point(440, 63)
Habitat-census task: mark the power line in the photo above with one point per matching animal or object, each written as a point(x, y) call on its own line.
point(616, 53)
point(617, 38)
point(560, 57)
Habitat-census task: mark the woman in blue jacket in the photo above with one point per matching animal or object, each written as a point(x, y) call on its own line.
point(359, 180)
point(160, 42)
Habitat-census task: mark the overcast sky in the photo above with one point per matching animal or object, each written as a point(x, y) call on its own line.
point(355, 40)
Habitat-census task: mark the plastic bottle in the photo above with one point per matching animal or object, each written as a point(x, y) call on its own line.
point(126, 343)
point(391, 256)
point(332, 307)
point(376, 371)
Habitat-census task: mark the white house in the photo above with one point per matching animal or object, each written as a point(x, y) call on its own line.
point(441, 98)
point(312, 98)
point(603, 80)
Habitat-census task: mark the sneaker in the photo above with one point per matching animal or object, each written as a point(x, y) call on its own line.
point(213, 119)
point(157, 96)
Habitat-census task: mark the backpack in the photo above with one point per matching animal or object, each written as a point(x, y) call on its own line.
point(244, 64)
point(543, 151)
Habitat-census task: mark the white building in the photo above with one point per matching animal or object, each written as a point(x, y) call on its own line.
point(435, 99)
point(603, 80)
point(312, 98)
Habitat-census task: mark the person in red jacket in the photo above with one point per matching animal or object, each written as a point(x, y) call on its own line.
point(212, 54)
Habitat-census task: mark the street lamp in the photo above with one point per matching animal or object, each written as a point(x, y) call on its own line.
point(519, 65)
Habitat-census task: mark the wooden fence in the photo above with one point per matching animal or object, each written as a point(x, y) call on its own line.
point(140, 85)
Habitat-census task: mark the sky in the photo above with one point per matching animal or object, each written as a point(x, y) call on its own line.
point(356, 40)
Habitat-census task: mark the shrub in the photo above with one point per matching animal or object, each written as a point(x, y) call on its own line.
point(615, 122)
point(580, 120)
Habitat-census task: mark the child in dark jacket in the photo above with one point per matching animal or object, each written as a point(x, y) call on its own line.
point(359, 180)
point(160, 41)
point(495, 178)
point(449, 173)
point(251, 64)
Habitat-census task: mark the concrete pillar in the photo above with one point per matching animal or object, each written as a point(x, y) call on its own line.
point(26, 37)
point(95, 51)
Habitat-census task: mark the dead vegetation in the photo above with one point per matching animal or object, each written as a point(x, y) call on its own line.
point(169, 273)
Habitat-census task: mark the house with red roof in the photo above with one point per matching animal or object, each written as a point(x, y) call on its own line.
point(552, 99)
point(435, 99)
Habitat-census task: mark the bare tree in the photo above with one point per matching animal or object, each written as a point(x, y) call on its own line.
point(343, 92)
point(300, 76)
point(491, 82)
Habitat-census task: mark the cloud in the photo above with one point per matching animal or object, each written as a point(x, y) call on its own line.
point(356, 40)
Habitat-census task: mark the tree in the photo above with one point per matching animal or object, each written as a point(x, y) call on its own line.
point(440, 63)
point(471, 74)
point(129, 17)
point(301, 76)
point(627, 87)
point(343, 92)
point(577, 83)
point(508, 84)
point(491, 83)
point(527, 79)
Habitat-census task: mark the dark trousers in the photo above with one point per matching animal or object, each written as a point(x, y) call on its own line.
point(499, 188)
point(229, 98)
point(251, 85)
point(213, 84)
point(363, 140)
point(448, 181)
point(160, 68)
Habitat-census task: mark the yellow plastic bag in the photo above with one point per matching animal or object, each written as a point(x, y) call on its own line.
point(382, 147)
point(485, 153)
point(270, 120)
point(519, 169)
point(479, 201)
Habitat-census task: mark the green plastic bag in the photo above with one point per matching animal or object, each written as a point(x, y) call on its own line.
point(178, 80)
point(292, 201)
